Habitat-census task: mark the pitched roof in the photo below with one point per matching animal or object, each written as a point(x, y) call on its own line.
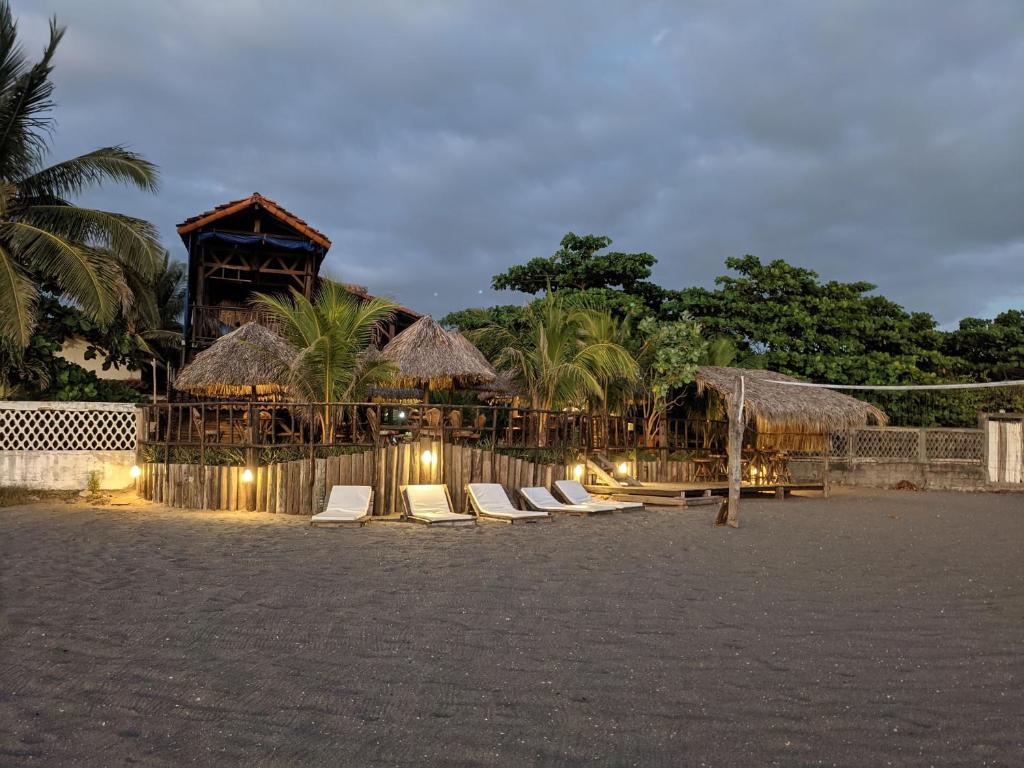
point(226, 209)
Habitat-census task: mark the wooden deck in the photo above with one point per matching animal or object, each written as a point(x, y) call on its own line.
point(689, 490)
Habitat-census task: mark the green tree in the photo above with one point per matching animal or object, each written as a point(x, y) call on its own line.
point(989, 350)
point(790, 321)
point(620, 279)
point(47, 244)
point(332, 334)
point(668, 356)
point(558, 359)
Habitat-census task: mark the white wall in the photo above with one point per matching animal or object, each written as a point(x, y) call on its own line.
point(73, 350)
point(66, 470)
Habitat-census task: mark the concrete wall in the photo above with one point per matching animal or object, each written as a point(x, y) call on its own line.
point(935, 475)
point(66, 470)
point(73, 350)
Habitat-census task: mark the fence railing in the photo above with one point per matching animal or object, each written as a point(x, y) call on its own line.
point(56, 426)
point(312, 426)
point(913, 444)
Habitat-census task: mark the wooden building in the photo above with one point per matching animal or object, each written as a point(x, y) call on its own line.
point(246, 246)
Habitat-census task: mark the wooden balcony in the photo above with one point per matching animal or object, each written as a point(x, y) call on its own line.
point(207, 324)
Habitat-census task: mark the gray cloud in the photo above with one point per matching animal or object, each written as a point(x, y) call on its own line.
point(437, 143)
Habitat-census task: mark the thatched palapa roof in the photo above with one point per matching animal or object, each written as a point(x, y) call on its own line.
point(243, 363)
point(503, 388)
point(775, 408)
point(427, 355)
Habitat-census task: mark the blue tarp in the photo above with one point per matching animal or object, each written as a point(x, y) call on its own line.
point(277, 242)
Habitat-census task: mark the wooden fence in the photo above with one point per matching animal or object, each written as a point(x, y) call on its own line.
point(299, 487)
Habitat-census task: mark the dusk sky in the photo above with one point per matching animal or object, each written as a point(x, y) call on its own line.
point(438, 143)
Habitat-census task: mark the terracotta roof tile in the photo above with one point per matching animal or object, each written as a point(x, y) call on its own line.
point(226, 209)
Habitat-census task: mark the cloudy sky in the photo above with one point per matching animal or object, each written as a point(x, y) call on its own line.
point(438, 143)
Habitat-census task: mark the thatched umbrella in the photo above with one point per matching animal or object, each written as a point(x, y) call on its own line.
point(504, 388)
point(244, 363)
point(794, 418)
point(798, 418)
point(429, 357)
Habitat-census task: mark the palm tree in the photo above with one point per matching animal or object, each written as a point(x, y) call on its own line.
point(155, 319)
point(333, 334)
point(562, 360)
point(46, 242)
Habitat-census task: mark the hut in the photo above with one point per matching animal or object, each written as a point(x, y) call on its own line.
point(429, 357)
point(786, 418)
point(247, 363)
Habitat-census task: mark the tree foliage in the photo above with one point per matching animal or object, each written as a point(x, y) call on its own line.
point(621, 280)
point(823, 331)
point(47, 244)
point(331, 334)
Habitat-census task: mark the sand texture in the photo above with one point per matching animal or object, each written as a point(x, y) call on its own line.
point(869, 629)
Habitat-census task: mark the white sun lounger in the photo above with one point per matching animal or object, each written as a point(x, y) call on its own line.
point(574, 493)
point(431, 504)
point(490, 501)
point(346, 505)
point(541, 499)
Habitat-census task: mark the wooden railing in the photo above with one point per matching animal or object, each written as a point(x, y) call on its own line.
point(258, 425)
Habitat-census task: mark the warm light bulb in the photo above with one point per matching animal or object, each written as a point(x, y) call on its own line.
point(428, 457)
point(247, 475)
point(135, 471)
point(577, 471)
point(623, 468)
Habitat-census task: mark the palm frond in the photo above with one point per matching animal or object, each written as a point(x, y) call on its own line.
point(18, 297)
point(24, 125)
point(114, 164)
point(88, 277)
point(133, 242)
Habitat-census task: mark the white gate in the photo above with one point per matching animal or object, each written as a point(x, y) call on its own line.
point(1005, 448)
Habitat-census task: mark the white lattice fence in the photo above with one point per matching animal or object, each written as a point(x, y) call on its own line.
point(954, 444)
point(45, 426)
point(900, 444)
point(885, 443)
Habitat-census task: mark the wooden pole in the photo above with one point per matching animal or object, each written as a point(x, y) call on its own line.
point(735, 451)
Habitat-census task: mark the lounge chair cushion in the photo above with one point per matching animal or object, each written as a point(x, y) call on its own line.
point(346, 503)
point(430, 502)
point(541, 498)
point(574, 492)
point(490, 500)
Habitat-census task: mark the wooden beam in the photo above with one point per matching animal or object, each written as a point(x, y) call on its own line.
point(730, 512)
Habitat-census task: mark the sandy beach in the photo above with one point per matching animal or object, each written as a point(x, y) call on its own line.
point(870, 629)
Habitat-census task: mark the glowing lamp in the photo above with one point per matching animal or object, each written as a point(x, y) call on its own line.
point(135, 471)
point(427, 457)
point(247, 475)
point(623, 468)
point(401, 414)
point(577, 471)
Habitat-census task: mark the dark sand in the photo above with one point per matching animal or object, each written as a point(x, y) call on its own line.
point(870, 629)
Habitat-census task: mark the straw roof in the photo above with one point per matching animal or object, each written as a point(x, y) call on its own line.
point(242, 363)
point(778, 408)
point(427, 355)
point(503, 388)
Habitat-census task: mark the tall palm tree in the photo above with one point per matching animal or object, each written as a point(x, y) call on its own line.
point(333, 334)
point(46, 242)
point(560, 360)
